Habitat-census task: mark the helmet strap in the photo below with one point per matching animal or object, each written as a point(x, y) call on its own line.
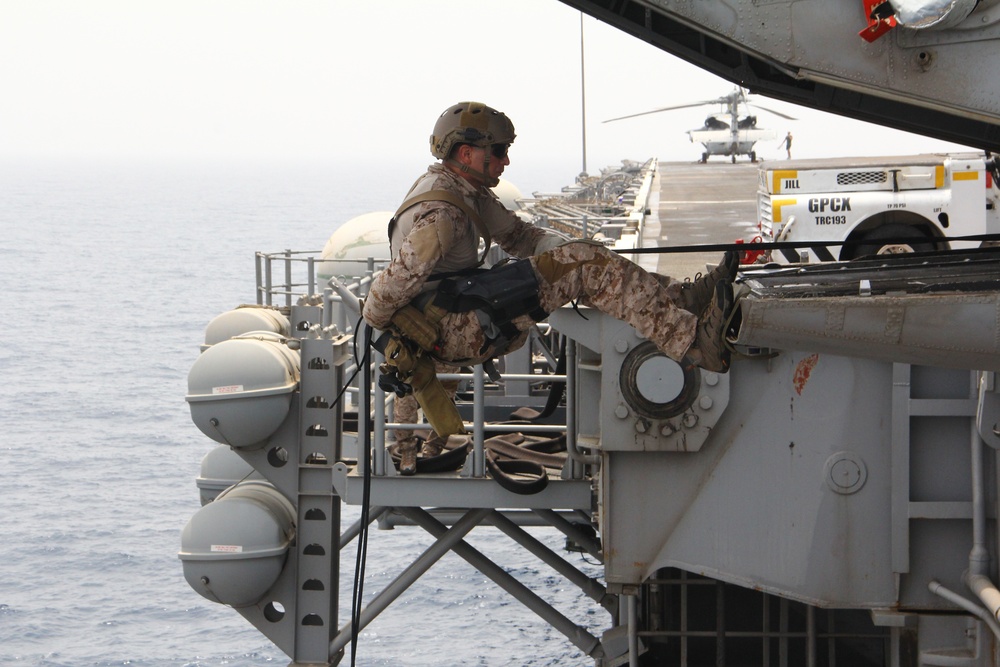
point(481, 176)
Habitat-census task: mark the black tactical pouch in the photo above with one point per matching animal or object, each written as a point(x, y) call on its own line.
point(504, 292)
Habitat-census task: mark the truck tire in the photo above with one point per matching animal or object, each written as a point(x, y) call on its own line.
point(891, 239)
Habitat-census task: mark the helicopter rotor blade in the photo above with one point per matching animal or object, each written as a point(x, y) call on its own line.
point(645, 113)
point(776, 113)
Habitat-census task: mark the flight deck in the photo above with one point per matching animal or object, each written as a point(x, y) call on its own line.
point(701, 204)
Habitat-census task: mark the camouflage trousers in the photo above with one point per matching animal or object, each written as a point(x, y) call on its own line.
point(579, 271)
point(597, 277)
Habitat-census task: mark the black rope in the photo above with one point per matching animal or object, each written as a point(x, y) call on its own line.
point(364, 458)
point(778, 245)
point(558, 387)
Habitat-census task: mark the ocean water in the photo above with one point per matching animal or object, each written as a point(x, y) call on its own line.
point(110, 273)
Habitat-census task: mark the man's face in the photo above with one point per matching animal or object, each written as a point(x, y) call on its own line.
point(498, 159)
point(472, 163)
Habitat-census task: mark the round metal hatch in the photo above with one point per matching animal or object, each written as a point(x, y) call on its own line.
point(655, 385)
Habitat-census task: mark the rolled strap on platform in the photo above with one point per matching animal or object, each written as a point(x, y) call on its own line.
point(531, 477)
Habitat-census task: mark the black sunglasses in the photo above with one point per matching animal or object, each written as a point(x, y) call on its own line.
point(499, 151)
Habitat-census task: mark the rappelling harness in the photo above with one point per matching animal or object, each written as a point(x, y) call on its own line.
point(498, 295)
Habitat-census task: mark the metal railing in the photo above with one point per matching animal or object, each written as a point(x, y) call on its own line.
point(293, 285)
point(478, 425)
point(610, 207)
point(291, 277)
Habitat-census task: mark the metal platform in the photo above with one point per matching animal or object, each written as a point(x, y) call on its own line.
point(815, 505)
point(454, 490)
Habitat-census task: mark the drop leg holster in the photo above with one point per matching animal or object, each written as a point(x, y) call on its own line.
point(408, 368)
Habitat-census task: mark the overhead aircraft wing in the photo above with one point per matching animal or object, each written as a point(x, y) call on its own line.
point(927, 81)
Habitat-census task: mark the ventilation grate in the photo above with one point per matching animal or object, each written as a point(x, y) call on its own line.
point(690, 620)
point(861, 177)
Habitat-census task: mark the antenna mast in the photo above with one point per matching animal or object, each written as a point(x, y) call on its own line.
point(583, 99)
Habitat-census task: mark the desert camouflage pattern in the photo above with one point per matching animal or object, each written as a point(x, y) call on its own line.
point(603, 279)
point(594, 276)
point(435, 237)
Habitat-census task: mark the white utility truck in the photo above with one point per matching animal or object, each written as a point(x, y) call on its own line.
point(876, 204)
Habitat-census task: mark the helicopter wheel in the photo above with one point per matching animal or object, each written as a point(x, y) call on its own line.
point(734, 159)
point(704, 158)
point(753, 157)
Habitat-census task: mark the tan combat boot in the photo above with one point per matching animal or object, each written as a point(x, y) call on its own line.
point(697, 295)
point(407, 450)
point(709, 350)
point(432, 447)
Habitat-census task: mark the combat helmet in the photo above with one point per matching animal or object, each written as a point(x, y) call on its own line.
point(470, 123)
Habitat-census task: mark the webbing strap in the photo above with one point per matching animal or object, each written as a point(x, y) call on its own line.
point(455, 200)
point(516, 475)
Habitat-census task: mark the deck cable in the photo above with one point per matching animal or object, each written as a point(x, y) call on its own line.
point(778, 245)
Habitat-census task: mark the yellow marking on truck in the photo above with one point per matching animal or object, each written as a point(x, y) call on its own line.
point(939, 176)
point(776, 208)
point(778, 175)
point(965, 176)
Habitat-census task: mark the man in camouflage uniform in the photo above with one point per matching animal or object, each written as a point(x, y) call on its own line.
point(436, 234)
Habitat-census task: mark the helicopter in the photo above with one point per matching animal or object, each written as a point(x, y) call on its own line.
point(725, 132)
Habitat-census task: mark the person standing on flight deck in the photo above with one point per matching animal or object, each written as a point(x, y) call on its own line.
point(787, 145)
point(434, 240)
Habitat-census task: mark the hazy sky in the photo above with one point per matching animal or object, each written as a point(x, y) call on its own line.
point(352, 80)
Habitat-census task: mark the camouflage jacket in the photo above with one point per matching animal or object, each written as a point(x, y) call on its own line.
point(436, 237)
